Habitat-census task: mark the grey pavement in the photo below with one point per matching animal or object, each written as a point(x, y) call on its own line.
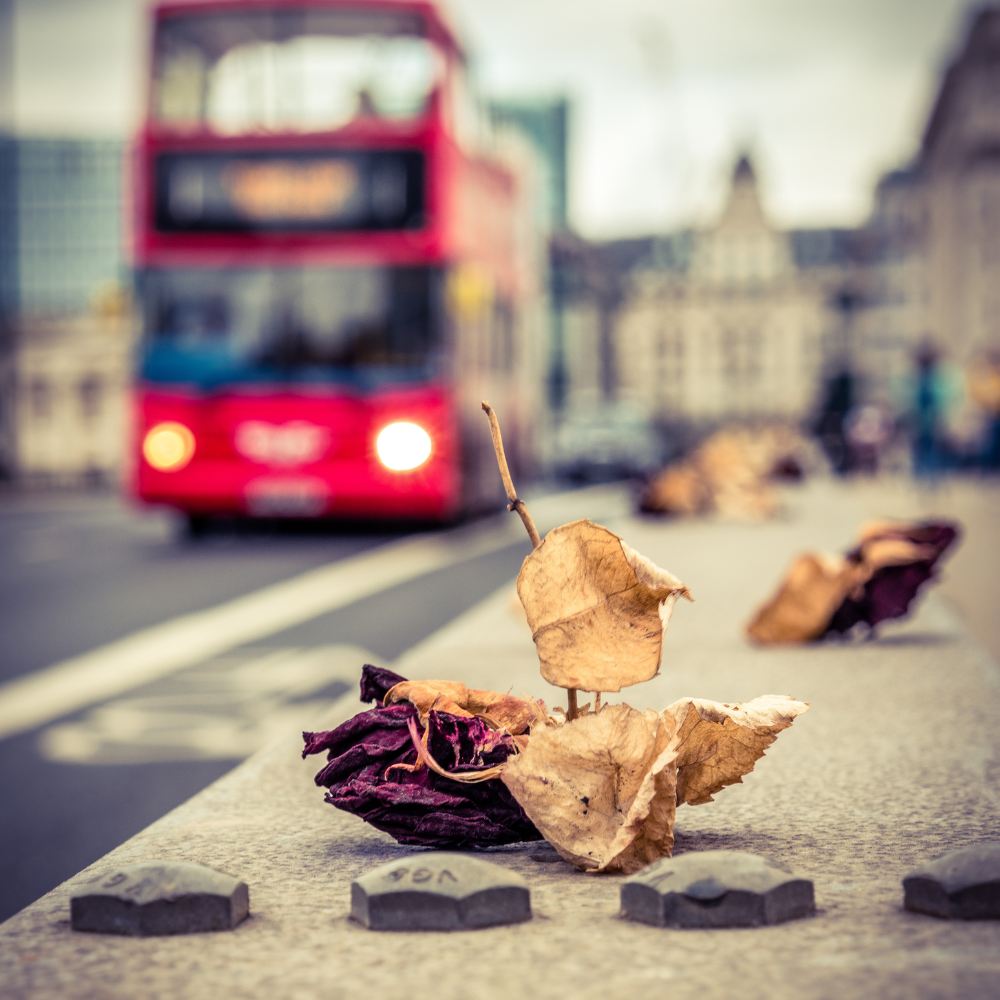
point(897, 761)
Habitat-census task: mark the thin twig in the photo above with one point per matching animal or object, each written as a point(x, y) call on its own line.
point(571, 710)
point(514, 503)
point(508, 485)
point(597, 701)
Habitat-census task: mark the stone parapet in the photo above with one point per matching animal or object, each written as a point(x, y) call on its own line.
point(895, 763)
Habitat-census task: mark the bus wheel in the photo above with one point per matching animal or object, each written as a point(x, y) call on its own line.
point(197, 524)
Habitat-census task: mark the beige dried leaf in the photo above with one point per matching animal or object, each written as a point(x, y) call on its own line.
point(729, 473)
point(878, 553)
point(504, 710)
point(426, 695)
point(601, 789)
point(814, 588)
point(716, 744)
point(728, 459)
point(816, 585)
point(678, 489)
point(597, 609)
point(507, 712)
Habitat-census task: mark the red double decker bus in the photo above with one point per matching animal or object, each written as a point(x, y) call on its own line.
point(331, 270)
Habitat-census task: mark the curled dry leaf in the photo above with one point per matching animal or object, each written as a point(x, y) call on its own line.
point(504, 711)
point(377, 769)
point(445, 696)
point(679, 489)
point(717, 744)
point(730, 474)
point(876, 580)
point(597, 609)
point(814, 588)
point(897, 560)
point(601, 789)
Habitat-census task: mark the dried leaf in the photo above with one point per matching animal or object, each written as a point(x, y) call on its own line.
point(597, 609)
point(877, 580)
point(895, 560)
point(604, 788)
point(504, 711)
point(601, 789)
point(679, 489)
point(374, 771)
point(730, 473)
point(446, 696)
point(816, 585)
point(717, 744)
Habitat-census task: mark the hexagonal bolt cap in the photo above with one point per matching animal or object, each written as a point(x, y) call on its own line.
point(716, 889)
point(160, 897)
point(439, 892)
point(961, 885)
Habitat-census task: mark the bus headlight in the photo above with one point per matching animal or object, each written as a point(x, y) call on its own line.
point(402, 446)
point(168, 447)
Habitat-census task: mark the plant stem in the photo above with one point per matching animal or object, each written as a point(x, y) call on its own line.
point(571, 711)
point(513, 502)
point(597, 701)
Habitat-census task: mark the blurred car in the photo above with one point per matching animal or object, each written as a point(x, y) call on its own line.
point(606, 442)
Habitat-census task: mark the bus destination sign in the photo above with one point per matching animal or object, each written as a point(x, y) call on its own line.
point(301, 191)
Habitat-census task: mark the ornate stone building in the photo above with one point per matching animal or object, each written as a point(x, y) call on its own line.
point(924, 272)
point(960, 193)
point(722, 324)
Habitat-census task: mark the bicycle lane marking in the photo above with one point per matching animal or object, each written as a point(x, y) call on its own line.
point(151, 653)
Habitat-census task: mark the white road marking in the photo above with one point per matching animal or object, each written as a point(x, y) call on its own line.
point(182, 642)
point(224, 709)
point(151, 653)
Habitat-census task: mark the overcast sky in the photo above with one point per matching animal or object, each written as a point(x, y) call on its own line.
point(826, 93)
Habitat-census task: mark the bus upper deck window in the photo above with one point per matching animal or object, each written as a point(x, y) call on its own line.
point(290, 70)
point(180, 86)
point(319, 83)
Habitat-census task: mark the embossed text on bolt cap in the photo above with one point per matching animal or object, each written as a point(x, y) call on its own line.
point(160, 897)
point(439, 892)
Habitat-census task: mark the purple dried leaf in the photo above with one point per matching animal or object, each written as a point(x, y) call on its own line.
point(419, 806)
point(891, 589)
point(376, 681)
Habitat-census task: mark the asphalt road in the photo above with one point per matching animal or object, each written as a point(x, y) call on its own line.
point(78, 572)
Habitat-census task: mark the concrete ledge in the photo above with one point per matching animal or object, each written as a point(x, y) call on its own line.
point(897, 762)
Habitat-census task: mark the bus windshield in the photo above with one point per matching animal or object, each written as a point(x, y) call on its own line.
point(291, 69)
point(359, 325)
